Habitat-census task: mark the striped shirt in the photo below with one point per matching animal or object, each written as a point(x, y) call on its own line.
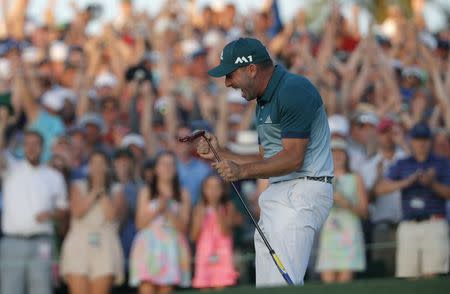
point(419, 200)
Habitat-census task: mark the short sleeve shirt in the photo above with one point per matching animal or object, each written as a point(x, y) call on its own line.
point(419, 200)
point(291, 107)
point(27, 191)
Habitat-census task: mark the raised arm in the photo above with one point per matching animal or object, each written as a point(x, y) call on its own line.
point(327, 45)
point(16, 19)
point(22, 91)
point(3, 125)
point(439, 89)
point(147, 120)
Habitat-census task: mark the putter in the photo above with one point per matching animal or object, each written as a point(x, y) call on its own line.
point(276, 259)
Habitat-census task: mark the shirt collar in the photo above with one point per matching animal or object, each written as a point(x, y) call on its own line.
point(275, 79)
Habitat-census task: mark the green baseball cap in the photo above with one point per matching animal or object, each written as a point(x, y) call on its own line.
point(239, 53)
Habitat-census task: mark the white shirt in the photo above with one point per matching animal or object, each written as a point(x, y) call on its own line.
point(386, 207)
point(357, 156)
point(28, 191)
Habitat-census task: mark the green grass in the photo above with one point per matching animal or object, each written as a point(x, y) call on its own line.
point(374, 286)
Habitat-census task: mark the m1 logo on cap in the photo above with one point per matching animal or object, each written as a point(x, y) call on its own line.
point(243, 59)
point(221, 55)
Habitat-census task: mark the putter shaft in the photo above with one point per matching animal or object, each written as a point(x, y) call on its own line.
point(275, 257)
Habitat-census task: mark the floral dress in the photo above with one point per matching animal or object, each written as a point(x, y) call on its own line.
point(341, 245)
point(160, 254)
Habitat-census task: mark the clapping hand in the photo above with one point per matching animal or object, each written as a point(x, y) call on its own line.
point(426, 177)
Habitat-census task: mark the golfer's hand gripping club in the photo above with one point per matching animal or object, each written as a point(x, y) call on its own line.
point(275, 257)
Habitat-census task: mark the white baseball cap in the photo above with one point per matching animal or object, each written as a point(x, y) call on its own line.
point(339, 125)
point(59, 51)
point(246, 143)
point(55, 98)
point(133, 139)
point(105, 79)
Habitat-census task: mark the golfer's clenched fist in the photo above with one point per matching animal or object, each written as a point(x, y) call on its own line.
point(228, 170)
point(203, 149)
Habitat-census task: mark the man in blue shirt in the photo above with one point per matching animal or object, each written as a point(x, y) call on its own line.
point(424, 181)
point(295, 155)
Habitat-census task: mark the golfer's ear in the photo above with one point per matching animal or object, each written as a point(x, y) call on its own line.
point(252, 69)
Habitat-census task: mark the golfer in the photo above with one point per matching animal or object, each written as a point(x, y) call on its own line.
point(295, 155)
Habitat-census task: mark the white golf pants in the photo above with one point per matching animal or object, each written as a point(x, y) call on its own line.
point(292, 212)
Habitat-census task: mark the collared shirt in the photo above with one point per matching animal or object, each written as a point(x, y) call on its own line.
point(386, 207)
point(28, 191)
point(419, 200)
point(291, 107)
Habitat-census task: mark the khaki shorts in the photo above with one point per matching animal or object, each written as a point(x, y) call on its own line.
point(422, 248)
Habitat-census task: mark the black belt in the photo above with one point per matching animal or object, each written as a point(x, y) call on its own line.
point(318, 179)
point(28, 237)
point(386, 223)
point(426, 217)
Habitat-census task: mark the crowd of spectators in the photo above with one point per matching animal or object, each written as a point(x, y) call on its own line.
point(97, 192)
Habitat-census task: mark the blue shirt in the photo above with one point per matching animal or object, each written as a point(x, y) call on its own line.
point(192, 174)
point(50, 127)
point(291, 107)
point(419, 200)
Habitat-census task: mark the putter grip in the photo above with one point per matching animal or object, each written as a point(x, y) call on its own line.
point(197, 134)
point(193, 136)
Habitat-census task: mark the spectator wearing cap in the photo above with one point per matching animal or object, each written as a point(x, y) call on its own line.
point(424, 181)
point(58, 53)
point(362, 138)
point(44, 118)
point(123, 168)
point(105, 85)
point(68, 111)
point(192, 171)
point(410, 81)
point(136, 145)
point(93, 127)
point(339, 126)
point(384, 209)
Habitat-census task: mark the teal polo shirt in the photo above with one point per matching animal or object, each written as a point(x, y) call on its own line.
point(291, 107)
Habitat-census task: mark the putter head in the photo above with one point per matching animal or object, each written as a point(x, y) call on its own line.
point(192, 136)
